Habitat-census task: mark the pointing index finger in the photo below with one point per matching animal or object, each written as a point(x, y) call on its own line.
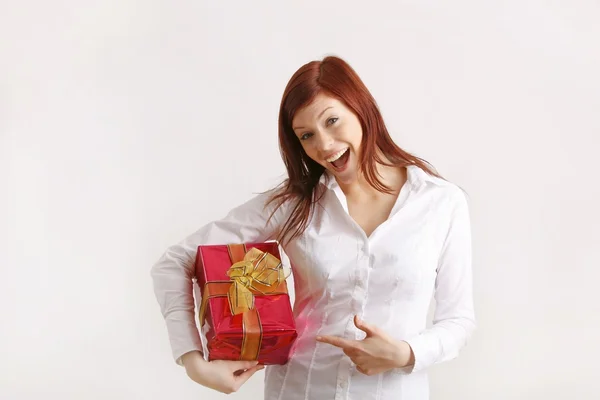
point(336, 341)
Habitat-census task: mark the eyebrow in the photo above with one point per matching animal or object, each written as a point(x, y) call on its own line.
point(319, 116)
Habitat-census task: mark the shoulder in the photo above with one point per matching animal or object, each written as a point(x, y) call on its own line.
point(443, 191)
point(451, 191)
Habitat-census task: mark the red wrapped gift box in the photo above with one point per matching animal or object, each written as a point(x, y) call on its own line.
point(246, 312)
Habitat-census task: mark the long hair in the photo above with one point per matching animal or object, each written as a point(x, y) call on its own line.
point(334, 77)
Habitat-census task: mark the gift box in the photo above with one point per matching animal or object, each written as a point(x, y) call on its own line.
point(245, 313)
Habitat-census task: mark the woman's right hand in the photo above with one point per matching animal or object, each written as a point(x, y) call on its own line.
point(221, 375)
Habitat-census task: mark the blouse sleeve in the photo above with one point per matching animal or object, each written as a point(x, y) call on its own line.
point(454, 317)
point(172, 273)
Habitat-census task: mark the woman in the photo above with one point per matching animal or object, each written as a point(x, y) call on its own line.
point(371, 233)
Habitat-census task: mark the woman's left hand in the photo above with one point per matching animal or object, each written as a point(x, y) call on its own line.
point(376, 353)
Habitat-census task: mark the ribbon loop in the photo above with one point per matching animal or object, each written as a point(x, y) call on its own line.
point(257, 273)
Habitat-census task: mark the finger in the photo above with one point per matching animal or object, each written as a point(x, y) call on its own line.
point(359, 369)
point(363, 369)
point(242, 365)
point(369, 329)
point(337, 341)
point(352, 352)
point(244, 376)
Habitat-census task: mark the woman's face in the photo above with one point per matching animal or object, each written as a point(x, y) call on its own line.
point(330, 134)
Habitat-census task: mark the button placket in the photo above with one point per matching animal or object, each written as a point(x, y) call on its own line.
point(343, 377)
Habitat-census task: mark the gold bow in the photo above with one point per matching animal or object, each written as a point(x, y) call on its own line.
point(258, 272)
point(252, 273)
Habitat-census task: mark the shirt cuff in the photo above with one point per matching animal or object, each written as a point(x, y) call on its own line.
point(416, 344)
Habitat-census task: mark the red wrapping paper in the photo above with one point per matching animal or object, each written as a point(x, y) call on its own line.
point(224, 332)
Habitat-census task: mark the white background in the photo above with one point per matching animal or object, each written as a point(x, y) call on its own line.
point(126, 125)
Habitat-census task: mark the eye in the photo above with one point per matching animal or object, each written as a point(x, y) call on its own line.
point(332, 120)
point(306, 136)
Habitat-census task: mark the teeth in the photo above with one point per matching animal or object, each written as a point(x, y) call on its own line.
point(336, 156)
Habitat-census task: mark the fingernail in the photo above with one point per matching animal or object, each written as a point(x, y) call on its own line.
point(319, 338)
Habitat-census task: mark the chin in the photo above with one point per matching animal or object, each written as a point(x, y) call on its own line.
point(346, 177)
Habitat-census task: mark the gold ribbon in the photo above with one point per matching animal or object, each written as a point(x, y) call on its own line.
point(252, 273)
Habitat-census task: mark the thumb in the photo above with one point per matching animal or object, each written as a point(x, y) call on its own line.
point(244, 376)
point(369, 329)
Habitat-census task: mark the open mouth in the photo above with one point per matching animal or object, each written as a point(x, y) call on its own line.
point(342, 159)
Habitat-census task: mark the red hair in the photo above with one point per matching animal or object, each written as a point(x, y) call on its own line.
point(334, 77)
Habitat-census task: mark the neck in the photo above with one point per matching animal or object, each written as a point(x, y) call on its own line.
point(392, 177)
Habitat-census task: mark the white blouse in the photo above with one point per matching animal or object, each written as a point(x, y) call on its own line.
point(387, 279)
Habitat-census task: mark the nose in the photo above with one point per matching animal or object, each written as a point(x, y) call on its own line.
point(324, 142)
